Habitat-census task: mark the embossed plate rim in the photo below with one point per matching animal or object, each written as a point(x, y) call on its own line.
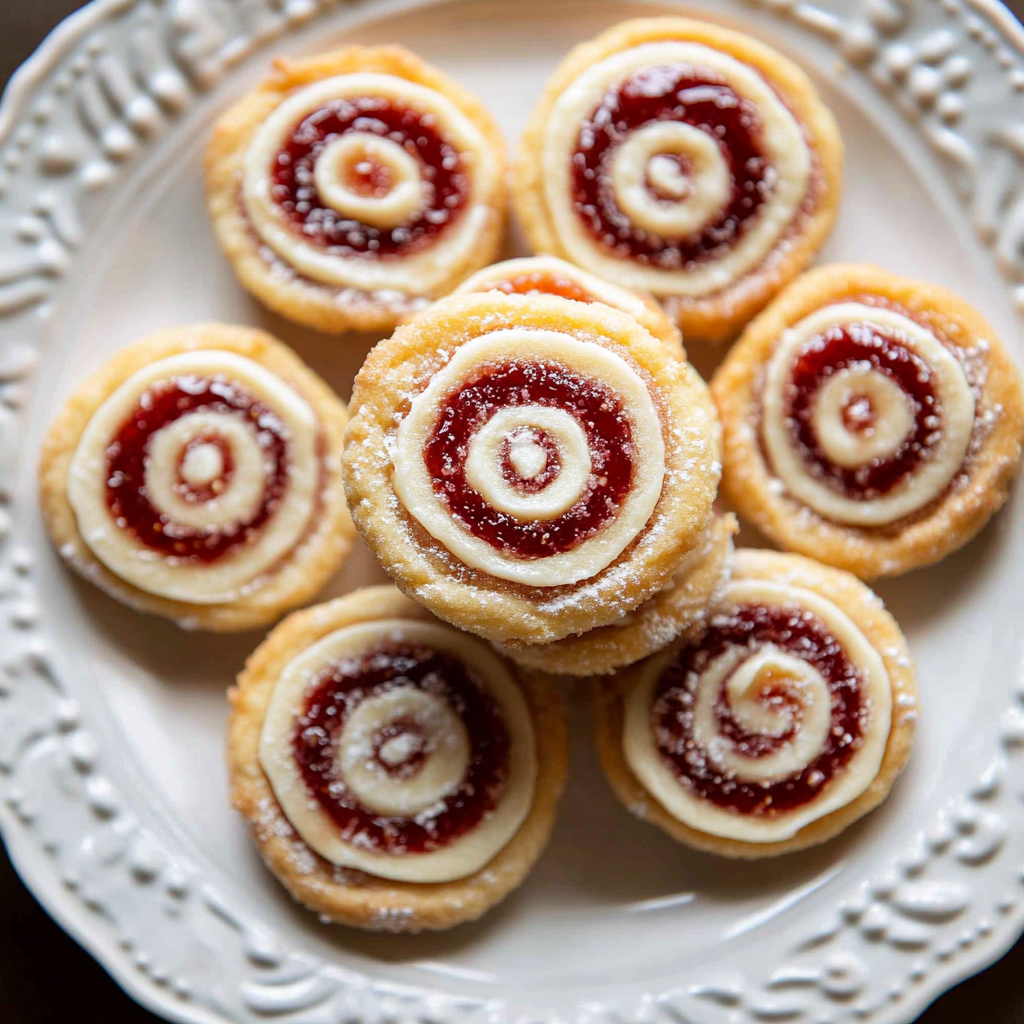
point(259, 962)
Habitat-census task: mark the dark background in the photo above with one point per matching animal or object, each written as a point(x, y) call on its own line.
point(46, 977)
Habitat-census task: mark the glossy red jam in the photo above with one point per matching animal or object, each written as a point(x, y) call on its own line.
point(446, 181)
point(688, 95)
point(862, 345)
point(540, 282)
point(552, 465)
point(752, 627)
point(126, 467)
point(609, 438)
point(337, 693)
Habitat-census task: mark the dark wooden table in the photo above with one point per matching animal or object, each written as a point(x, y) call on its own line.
point(45, 977)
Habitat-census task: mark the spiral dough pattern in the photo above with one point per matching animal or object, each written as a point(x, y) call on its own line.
point(532, 456)
point(369, 181)
point(777, 717)
point(197, 476)
point(404, 749)
point(867, 415)
point(674, 168)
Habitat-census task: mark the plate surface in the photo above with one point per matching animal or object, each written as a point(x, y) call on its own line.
point(112, 787)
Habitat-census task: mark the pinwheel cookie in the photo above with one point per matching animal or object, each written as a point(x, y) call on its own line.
point(528, 466)
point(682, 159)
point(786, 720)
point(548, 275)
point(870, 421)
point(678, 608)
point(396, 773)
point(196, 475)
point(351, 188)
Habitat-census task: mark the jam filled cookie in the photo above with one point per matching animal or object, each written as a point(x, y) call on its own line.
point(678, 158)
point(351, 188)
point(197, 475)
point(528, 466)
point(396, 773)
point(786, 720)
point(870, 421)
point(548, 275)
point(679, 607)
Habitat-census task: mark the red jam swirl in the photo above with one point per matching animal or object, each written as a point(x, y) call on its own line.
point(338, 692)
point(446, 182)
point(862, 345)
point(548, 475)
point(540, 282)
point(596, 409)
point(688, 95)
point(750, 628)
point(128, 452)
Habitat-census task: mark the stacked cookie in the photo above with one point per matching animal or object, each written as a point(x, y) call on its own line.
point(536, 465)
point(548, 465)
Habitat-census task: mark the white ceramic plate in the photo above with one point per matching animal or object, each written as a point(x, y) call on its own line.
point(112, 787)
